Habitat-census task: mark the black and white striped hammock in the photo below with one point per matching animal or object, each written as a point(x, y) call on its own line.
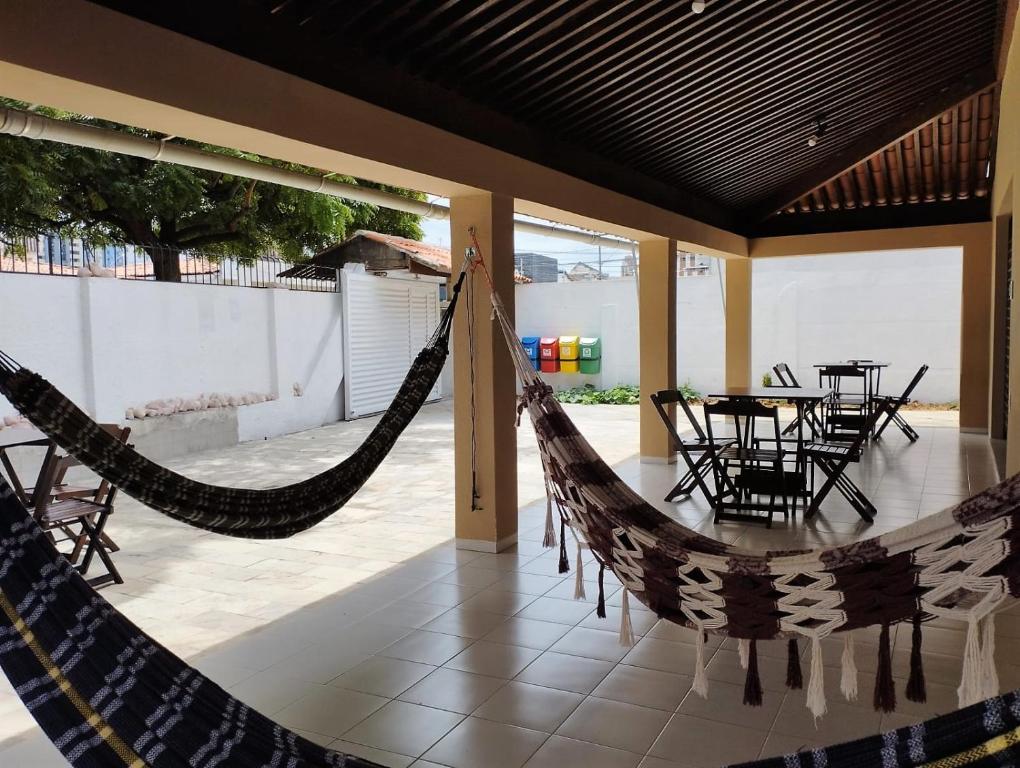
point(243, 512)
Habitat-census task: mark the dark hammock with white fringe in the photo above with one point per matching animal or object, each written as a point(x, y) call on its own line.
point(962, 563)
point(247, 513)
point(109, 696)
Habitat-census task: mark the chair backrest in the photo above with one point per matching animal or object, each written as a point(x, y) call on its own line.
point(54, 475)
point(664, 397)
point(833, 376)
point(785, 375)
point(744, 414)
point(914, 382)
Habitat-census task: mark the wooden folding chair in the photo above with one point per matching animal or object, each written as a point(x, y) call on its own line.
point(88, 512)
point(743, 470)
point(694, 451)
point(60, 489)
point(848, 407)
point(786, 378)
point(833, 457)
point(895, 403)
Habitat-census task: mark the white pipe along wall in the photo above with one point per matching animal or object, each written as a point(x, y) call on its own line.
point(30, 125)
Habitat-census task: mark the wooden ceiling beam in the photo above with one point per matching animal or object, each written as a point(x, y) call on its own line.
point(952, 94)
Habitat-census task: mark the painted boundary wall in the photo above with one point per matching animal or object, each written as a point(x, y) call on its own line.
point(113, 344)
point(899, 306)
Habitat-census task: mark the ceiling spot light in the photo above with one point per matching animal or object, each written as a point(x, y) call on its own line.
point(820, 128)
point(698, 5)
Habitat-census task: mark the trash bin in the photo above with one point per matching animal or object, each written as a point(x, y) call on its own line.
point(568, 354)
point(569, 347)
point(549, 354)
point(531, 344)
point(591, 354)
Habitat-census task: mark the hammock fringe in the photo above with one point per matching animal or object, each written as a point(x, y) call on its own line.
point(752, 681)
point(885, 687)
point(794, 677)
point(848, 669)
point(916, 688)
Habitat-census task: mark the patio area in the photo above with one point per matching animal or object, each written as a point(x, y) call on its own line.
point(372, 633)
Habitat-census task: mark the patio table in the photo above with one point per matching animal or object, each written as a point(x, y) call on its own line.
point(802, 398)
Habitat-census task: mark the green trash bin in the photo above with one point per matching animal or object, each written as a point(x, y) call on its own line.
point(591, 354)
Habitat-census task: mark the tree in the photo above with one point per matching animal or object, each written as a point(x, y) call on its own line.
point(62, 189)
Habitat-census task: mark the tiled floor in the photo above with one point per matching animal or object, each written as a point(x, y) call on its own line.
point(372, 634)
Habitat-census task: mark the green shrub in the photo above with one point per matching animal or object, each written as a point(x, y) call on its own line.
point(766, 379)
point(626, 394)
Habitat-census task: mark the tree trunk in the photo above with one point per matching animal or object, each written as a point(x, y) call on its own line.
point(166, 263)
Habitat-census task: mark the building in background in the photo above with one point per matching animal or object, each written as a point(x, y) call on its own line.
point(581, 271)
point(541, 269)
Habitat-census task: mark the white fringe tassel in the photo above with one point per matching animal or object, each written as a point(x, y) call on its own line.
point(743, 652)
point(579, 575)
point(970, 689)
point(700, 684)
point(848, 678)
point(550, 528)
point(989, 674)
point(626, 629)
point(816, 683)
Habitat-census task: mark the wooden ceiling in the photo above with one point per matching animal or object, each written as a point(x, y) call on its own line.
point(708, 114)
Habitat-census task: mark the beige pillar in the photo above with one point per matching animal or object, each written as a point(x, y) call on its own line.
point(738, 323)
point(657, 350)
point(976, 330)
point(486, 487)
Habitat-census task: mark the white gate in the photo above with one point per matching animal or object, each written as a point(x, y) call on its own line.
point(387, 321)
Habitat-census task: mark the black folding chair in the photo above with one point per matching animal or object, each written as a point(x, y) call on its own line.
point(694, 451)
point(833, 457)
point(786, 378)
point(785, 375)
point(848, 407)
point(895, 403)
point(743, 470)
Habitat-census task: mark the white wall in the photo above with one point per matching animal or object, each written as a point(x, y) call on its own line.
point(900, 306)
point(110, 344)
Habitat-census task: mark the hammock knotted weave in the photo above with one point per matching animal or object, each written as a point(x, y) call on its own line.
point(247, 513)
point(958, 564)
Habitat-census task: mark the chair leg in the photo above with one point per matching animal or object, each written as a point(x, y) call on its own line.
point(905, 428)
point(94, 532)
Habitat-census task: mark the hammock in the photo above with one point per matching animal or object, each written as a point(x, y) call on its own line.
point(109, 696)
point(106, 694)
point(958, 564)
point(257, 514)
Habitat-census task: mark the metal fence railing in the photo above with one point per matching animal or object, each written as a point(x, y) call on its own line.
point(60, 256)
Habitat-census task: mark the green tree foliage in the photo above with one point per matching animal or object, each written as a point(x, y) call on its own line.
point(58, 188)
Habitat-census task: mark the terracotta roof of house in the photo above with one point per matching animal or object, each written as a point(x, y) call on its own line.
point(434, 257)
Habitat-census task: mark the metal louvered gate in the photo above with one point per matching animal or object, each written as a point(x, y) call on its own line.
point(387, 321)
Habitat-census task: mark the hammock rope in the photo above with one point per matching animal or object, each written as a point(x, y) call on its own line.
point(959, 564)
point(247, 513)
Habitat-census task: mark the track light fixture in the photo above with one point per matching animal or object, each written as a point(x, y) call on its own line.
point(820, 128)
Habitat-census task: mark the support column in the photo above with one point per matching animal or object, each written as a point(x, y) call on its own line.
point(738, 322)
point(657, 343)
point(976, 331)
point(486, 498)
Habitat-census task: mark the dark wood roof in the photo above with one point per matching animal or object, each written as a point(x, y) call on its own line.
point(707, 114)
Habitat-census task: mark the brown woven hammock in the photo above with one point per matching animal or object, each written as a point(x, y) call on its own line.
point(959, 564)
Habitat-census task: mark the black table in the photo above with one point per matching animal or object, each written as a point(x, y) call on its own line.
point(803, 398)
